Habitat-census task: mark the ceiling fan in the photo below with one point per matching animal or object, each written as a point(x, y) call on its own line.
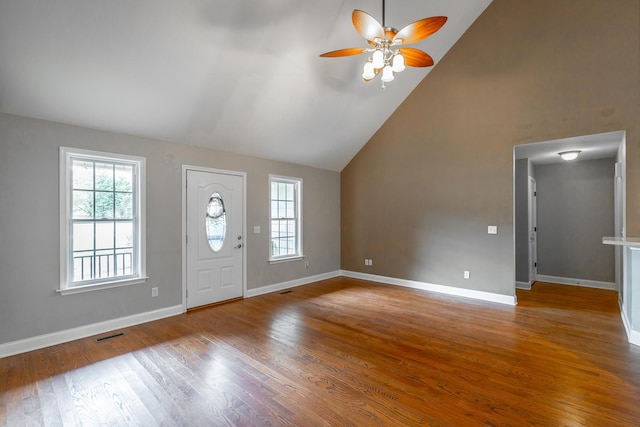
point(386, 55)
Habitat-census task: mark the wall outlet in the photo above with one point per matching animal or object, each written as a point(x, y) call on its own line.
point(492, 229)
point(368, 261)
point(306, 264)
point(154, 291)
point(256, 229)
point(466, 274)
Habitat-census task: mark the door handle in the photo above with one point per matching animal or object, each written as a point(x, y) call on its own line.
point(239, 246)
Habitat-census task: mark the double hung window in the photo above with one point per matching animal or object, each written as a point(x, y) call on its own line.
point(102, 220)
point(286, 218)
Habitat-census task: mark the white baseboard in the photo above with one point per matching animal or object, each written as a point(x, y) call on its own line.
point(290, 284)
point(47, 340)
point(632, 336)
point(577, 282)
point(523, 285)
point(449, 290)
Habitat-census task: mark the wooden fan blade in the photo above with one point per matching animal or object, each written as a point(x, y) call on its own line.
point(416, 57)
point(366, 25)
point(343, 52)
point(421, 29)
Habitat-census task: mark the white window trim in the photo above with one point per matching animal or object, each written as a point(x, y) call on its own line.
point(66, 286)
point(300, 254)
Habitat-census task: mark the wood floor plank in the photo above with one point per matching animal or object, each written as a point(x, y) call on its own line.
point(344, 352)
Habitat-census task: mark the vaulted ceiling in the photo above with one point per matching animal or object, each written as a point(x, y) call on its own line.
point(241, 76)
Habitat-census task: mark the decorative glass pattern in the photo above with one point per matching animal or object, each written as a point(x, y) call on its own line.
point(216, 222)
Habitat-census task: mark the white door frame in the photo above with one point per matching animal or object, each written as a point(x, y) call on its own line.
point(243, 175)
point(532, 224)
point(558, 145)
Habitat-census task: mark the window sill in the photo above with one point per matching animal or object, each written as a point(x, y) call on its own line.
point(99, 286)
point(279, 260)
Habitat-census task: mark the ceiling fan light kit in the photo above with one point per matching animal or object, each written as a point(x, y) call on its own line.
point(569, 155)
point(387, 57)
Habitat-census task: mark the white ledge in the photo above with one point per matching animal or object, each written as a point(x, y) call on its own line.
point(622, 241)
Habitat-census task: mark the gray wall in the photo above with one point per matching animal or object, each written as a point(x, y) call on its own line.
point(418, 197)
point(575, 210)
point(29, 235)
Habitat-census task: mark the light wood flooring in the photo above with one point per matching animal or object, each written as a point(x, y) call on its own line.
point(344, 352)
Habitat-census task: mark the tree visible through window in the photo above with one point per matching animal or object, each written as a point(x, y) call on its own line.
point(103, 224)
point(285, 224)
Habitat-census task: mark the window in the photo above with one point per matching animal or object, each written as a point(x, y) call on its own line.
point(216, 222)
point(286, 218)
point(101, 220)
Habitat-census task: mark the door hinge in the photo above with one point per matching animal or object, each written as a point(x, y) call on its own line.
point(535, 194)
point(535, 264)
point(535, 228)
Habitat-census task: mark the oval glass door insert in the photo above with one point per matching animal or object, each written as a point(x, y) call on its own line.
point(216, 222)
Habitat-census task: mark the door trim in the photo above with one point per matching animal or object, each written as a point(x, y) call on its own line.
point(242, 175)
point(532, 223)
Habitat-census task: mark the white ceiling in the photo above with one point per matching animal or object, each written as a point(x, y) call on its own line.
point(241, 76)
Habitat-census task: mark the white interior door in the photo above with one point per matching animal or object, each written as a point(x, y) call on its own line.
point(215, 246)
point(533, 232)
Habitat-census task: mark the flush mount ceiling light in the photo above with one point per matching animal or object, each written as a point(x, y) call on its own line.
point(569, 155)
point(386, 56)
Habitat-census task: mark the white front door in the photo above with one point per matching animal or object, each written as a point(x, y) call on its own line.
point(533, 232)
point(215, 245)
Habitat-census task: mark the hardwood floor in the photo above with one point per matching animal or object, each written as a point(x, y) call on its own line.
point(344, 352)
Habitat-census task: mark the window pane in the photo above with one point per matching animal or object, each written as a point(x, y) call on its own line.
point(124, 205)
point(124, 178)
point(104, 176)
point(216, 222)
point(124, 234)
point(104, 205)
point(290, 211)
point(104, 264)
point(104, 235)
point(82, 236)
point(289, 192)
point(124, 262)
point(82, 204)
point(82, 266)
point(82, 171)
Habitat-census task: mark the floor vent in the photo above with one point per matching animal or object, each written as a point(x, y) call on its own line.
point(285, 292)
point(110, 337)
